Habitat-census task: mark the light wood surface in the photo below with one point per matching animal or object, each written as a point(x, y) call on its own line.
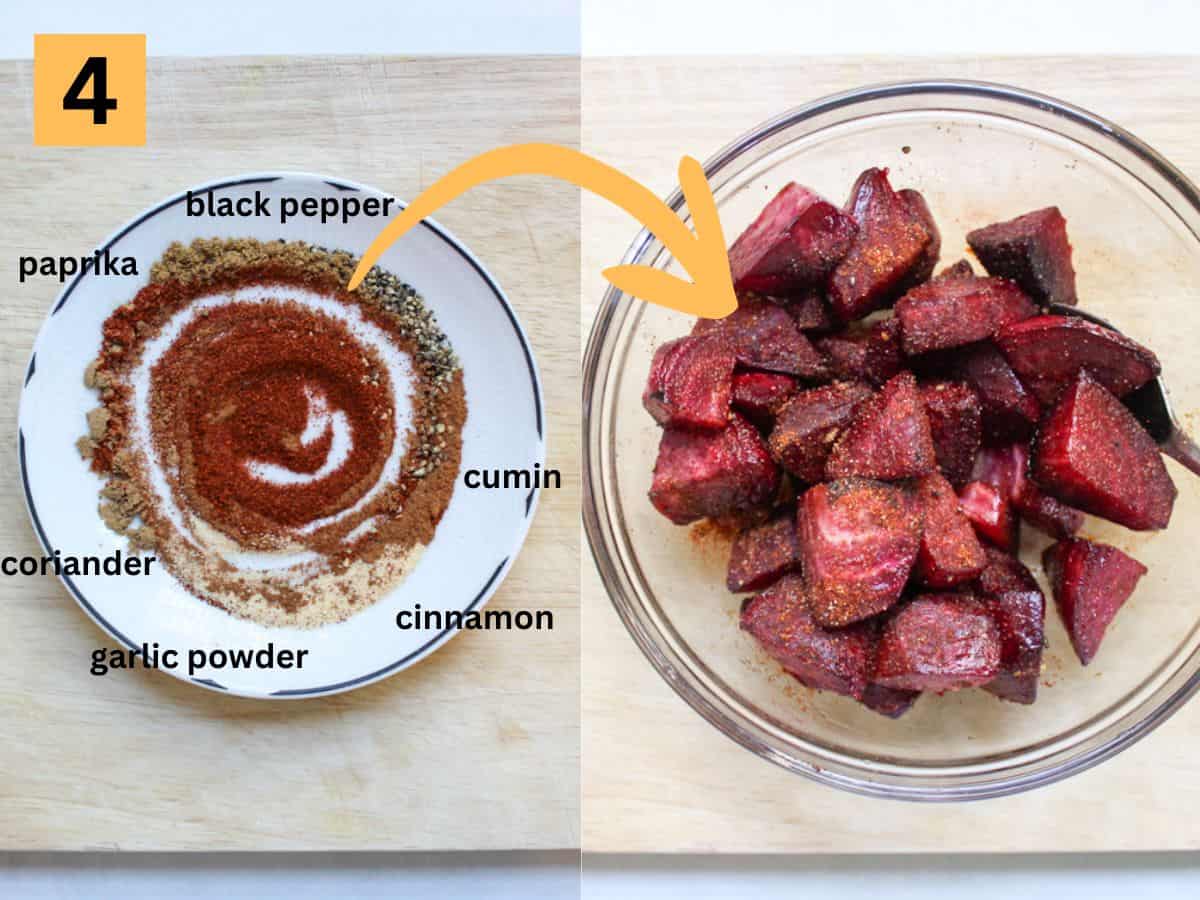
point(657, 777)
point(476, 747)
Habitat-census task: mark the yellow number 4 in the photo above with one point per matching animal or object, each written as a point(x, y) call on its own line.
point(89, 90)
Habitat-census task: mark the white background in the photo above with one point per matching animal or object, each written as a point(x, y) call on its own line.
point(611, 27)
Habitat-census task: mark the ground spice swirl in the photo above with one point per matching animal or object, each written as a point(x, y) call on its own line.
point(287, 447)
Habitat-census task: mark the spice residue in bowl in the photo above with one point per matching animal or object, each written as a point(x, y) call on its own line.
point(287, 448)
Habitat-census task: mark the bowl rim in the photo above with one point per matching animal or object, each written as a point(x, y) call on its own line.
point(1117, 735)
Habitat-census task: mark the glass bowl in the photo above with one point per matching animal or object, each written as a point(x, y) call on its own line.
point(979, 153)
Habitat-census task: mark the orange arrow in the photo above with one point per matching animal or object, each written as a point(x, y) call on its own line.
point(702, 253)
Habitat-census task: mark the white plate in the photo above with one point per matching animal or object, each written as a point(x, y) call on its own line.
point(475, 544)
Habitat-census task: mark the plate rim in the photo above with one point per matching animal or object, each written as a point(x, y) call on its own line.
point(513, 550)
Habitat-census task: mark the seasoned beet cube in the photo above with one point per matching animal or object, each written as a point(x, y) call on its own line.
point(950, 553)
point(763, 336)
point(702, 473)
point(1010, 412)
point(991, 513)
point(960, 269)
point(953, 312)
point(810, 312)
point(1093, 454)
point(793, 244)
point(690, 383)
point(888, 701)
point(1033, 251)
point(955, 421)
point(938, 642)
point(758, 394)
point(871, 355)
point(1020, 617)
point(807, 425)
point(858, 542)
point(924, 267)
point(1004, 573)
point(780, 621)
point(1007, 470)
point(1048, 351)
point(1091, 582)
point(889, 437)
point(763, 553)
point(891, 245)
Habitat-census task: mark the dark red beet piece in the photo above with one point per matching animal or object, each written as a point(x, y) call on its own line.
point(888, 439)
point(892, 243)
point(991, 514)
point(950, 552)
point(960, 269)
point(779, 619)
point(700, 474)
point(757, 395)
point(858, 542)
point(1010, 411)
point(954, 312)
point(810, 312)
point(1033, 251)
point(924, 267)
point(807, 425)
point(690, 383)
point(1007, 469)
point(1091, 582)
point(1093, 454)
point(1048, 351)
point(938, 642)
point(872, 355)
point(956, 424)
point(763, 554)
point(793, 244)
point(888, 701)
point(763, 336)
point(1016, 602)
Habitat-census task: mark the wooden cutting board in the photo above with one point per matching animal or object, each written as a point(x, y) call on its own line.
point(476, 747)
point(657, 776)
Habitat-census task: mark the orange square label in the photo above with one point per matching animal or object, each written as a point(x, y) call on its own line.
point(89, 90)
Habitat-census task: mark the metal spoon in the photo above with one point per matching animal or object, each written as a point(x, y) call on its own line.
point(1150, 406)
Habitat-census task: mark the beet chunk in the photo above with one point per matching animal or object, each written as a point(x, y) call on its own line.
point(1091, 582)
point(925, 265)
point(1033, 251)
point(960, 269)
point(956, 424)
point(810, 312)
point(757, 395)
point(888, 701)
point(891, 244)
point(690, 383)
point(889, 437)
point(762, 554)
point(763, 336)
point(1016, 603)
point(700, 474)
point(953, 312)
point(1010, 412)
point(779, 619)
point(991, 513)
point(858, 542)
point(793, 244)
point(807, 425)
point(1007, 470)
point(938, 642)
point(1048, 351)
point(1093, 454)
point(872, 355)
point(950, 553)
